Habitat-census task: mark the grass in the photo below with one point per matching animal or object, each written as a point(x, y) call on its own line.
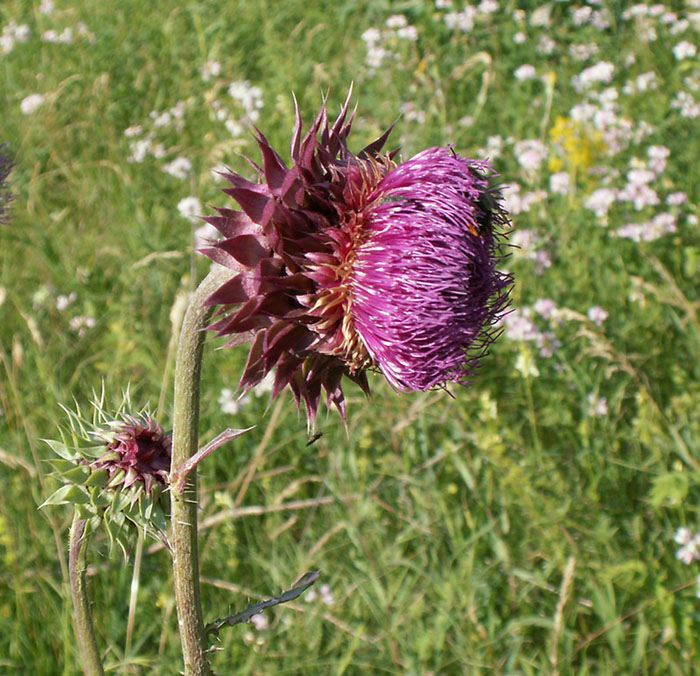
point(503, 531)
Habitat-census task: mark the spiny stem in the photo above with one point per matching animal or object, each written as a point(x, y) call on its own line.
point(77, 546)
point(184, 503)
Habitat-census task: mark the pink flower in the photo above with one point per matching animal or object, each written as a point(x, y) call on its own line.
point(351, 262)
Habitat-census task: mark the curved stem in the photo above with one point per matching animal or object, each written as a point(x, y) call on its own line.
point(77, 546)
point(184, 504)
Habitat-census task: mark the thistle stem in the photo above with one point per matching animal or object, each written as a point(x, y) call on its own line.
point(85, 629)
point(184, 503)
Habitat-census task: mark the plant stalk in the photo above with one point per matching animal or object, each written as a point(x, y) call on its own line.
point(184, 505)
point(85, 629)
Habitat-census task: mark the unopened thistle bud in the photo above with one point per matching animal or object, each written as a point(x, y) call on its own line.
point(114, 469)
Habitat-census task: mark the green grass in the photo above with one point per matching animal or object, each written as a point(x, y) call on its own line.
point(444, 526)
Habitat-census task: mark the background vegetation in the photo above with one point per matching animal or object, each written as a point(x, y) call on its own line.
point(525, 526)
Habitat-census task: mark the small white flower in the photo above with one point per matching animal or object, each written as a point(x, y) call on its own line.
point(46, 7)
point(687, 553)
point(81, 324)
point(597, 314)
point(205, 235)
point(408, 33)
point(162, 119)
point(675, 199)
point(530, 153)
point(583, 51)
point(683, 535)
point(597, 406)
point(600, 201)
point(560, 183)
point(139, 150)
point(180, 167)
point(371, 36)
point(396, 21)
point(259, 621)
point(463, 21)
point(540, 17)
point(30, 104)
point(218, 170)
point(265, 385)
point(135, 130)
point(63, 301)
point(210, 69)
point(250, 96)
point(602, 71)
point(684, 50)
point(686, 104)
point(544, 307)
point(376, 56)
point(326, 594)
point(229, 403)
point(190, 208)
point(525, 72)
point(21, 32)
point(545, 45)
point(488, 6)
point(233, 127)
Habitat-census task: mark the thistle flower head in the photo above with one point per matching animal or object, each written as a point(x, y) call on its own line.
point(5, 195)
point(114, 469)
point(138, 453)
point(348, 263)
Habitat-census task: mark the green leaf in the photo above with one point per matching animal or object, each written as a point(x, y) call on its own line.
point(65, 495)
point(98, 477)
point(77, 475)
point(60, 449)
point(62, 466)
point(117, 478)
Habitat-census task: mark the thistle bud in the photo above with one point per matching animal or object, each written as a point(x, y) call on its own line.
point(114, 469)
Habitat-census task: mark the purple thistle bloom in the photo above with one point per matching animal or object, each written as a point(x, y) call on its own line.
point(348, 263)
point(5, 195)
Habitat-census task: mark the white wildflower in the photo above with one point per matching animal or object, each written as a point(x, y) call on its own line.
point(190, 208)
point(597, 314)
point(180, 167)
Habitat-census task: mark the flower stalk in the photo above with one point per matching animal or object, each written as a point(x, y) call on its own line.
point(85, 629)
point(184, 505)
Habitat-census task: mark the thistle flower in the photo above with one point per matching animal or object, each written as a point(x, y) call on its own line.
point(349, 262)
point(5, 195)
point(114, 468)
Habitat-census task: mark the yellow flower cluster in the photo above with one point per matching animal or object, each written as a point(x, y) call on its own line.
point(577, 146)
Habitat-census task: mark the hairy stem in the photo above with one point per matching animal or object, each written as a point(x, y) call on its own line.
point(77, 546)
point(184, 504)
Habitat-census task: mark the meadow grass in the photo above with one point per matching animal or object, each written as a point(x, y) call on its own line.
point(524, 526)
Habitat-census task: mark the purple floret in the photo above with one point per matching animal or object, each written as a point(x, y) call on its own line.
point(425, 282)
